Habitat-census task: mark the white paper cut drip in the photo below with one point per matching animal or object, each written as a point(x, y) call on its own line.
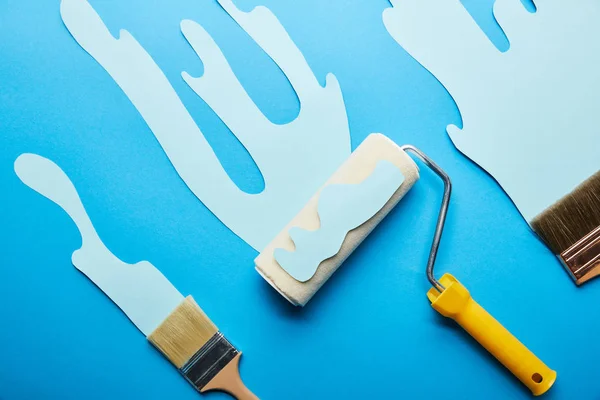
point(140, 290)
point(294, 159)
point(529, 114)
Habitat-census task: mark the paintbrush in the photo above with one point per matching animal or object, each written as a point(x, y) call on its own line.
point(190, 340)
point(571, 228)
point(173, 324)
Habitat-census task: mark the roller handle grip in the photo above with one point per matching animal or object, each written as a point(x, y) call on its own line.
point(455, 302)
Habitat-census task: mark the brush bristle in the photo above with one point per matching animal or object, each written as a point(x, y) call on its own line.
point(572, 217)
point(183, 333)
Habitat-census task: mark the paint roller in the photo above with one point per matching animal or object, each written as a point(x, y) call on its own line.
point(344, 211)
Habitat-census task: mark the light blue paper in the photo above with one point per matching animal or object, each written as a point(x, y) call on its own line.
point(529, 114)
point(341, 208)
point(140, 290)
point(295, 159)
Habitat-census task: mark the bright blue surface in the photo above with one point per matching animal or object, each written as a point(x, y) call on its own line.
point(369, 333)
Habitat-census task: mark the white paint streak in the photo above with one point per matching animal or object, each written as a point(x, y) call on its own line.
point(295, 159)
point(529, 114)
point(140, 290)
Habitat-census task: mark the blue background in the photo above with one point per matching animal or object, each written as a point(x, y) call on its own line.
point(369, 333)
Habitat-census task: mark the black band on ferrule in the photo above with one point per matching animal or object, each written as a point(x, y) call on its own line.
point(208, 361)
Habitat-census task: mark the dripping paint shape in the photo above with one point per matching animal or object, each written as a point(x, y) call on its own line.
point(294, 159)
point(530, 114)
point(140, 290)
point(341, 208)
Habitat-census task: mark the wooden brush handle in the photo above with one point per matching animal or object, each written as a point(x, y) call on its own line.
point(228, 380)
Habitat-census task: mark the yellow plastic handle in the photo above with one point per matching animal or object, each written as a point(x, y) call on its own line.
point(455, 302)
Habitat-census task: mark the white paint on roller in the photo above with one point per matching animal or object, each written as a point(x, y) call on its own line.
point(341, 208)
point(140, 290)
point(361, 164)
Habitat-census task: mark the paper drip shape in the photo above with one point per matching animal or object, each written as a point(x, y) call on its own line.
point(294, 159)
point(530, 113)
point(140, 290)
point(341, 208)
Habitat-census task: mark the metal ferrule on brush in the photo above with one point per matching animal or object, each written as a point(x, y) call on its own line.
point(209, 361)
point(584, 256)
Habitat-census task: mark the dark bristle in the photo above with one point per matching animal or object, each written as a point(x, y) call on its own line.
point(572, 217)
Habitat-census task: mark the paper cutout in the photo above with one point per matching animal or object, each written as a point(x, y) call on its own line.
point(295, 159)
point(529, 114)
point(140, 290)
point(341, 208)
